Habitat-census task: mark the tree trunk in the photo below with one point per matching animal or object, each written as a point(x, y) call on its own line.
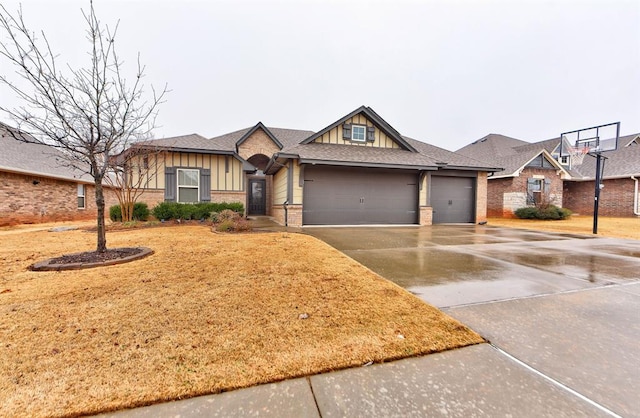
point(102, 236)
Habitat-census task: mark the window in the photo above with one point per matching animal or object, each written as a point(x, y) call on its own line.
point(188, 185)
point(564, 160)
point(358, 133)
point(81, 196)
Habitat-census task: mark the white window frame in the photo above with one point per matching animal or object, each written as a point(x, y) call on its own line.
point(179, 186)
point(565, 160)
point(82, 193)
point(364, 133)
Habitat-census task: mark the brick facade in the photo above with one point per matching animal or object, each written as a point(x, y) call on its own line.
point(616, 198)
point(505, 195)
point(481, 197)
point(33, 199)
point(294, 215)
point(426, 215)
point(258, 143)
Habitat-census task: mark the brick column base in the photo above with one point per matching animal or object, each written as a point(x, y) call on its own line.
point(426, 215)
point(294, 215)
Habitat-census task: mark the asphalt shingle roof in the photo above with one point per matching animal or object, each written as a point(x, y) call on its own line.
point(511, 154)
point(34, 159)
point(623, 162)
point(291, 139)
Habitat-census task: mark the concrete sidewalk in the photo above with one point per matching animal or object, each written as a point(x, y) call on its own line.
point(561, 312)
point(473, 381)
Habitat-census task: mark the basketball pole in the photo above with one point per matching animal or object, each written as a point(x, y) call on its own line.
point(596, 200)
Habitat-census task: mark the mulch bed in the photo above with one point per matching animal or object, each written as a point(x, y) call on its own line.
point(96, 257)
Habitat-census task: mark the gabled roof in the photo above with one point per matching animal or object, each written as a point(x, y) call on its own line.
point(266, 130)
point(294, 143)
point(513, 154)
point(371, 115)
point(34, 159)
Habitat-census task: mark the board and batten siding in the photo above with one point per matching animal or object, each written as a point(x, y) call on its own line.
point(334, 136)
point(226, 171)
point(280, 186)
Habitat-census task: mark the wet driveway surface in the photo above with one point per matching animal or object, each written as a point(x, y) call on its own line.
point(566, 306)
point(453, 265)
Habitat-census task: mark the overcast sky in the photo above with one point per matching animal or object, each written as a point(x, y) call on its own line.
point(444, 72)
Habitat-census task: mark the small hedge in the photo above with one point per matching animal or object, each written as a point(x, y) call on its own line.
point(550, 212)
point(187, 211)
point(140, 212)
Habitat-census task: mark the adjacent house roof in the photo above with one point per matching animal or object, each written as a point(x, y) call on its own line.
point(34, 159)
point(513, 155)
point(295, 143)
point(621, 163)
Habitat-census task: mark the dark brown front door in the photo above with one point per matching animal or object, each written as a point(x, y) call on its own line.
point(257, 197)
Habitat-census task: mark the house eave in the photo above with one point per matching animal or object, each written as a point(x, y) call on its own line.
point(367, 164)
point(45, 175)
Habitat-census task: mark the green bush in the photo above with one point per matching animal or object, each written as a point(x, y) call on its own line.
point(140, 212)
point(186, 211)
point(550, 212)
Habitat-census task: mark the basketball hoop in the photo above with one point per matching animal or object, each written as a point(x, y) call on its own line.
point(577, 154)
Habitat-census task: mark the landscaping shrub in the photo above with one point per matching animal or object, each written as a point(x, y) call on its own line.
point(230, 221)
point(550, 212)
point(186, 211)
point(140, 212)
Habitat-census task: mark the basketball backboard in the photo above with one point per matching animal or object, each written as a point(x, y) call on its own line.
point(594, 140)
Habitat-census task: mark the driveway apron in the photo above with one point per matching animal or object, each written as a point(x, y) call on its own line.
point(560, 306)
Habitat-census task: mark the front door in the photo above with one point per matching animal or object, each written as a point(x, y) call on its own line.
point(257, 197)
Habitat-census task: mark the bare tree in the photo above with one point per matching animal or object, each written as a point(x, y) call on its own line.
point(131, 171)
point(90, 113)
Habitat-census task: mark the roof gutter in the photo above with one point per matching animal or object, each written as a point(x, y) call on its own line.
point(636, 204)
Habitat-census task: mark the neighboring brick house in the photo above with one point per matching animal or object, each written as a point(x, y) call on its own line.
point(357, 170)
point(531, 170)
point(530, 174)
point(36, 187)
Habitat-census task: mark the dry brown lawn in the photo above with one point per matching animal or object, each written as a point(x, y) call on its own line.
point(607, 226)
point(206, 313)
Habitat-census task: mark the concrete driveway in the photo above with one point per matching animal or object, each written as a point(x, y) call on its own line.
point(565, 308)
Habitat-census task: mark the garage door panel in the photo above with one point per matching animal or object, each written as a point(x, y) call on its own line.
point(453, 199)
point(351, 196)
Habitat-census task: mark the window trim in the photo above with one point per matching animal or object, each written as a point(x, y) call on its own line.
point(178, 186)
point(81, 187)
point(364, 133)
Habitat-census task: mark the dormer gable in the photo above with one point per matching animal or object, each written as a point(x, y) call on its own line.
point(362, 127)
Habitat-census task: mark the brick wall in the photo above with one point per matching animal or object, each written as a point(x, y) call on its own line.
point(481, 197)
point(426, 215)
point(49, 200)
point(294, 215)
point(505, 195)
point(616, 198)
point(257, 143)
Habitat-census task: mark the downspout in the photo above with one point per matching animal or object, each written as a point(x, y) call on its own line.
point(636, 206)
point(285, 205)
